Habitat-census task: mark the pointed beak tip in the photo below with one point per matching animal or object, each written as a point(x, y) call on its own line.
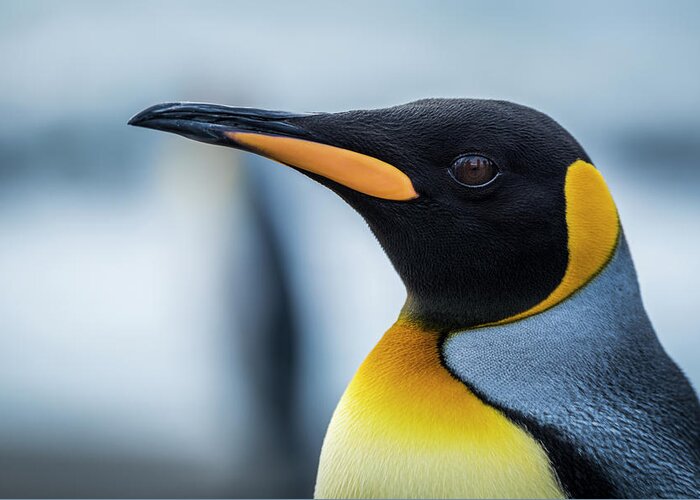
point(152, 112)
point(140, 118)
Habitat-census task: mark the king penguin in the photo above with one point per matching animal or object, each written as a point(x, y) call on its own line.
point(523, 363)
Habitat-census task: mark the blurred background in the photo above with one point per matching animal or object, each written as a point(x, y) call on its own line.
point(180, 320)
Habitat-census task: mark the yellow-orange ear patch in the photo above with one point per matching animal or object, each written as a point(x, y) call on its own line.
point(593, 227)
point(360, 172)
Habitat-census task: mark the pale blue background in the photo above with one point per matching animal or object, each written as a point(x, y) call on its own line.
point(146, 279)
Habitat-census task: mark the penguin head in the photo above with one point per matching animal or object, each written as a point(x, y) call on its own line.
point(488, 210)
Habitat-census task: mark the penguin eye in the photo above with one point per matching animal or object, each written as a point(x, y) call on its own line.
point(473, 170)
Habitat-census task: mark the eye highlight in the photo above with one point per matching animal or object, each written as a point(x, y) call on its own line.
point(474, 170)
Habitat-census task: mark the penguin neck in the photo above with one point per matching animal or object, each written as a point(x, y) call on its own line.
point(454, 297)
point(457, 312)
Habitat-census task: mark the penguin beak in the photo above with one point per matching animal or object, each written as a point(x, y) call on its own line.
point(275, 135)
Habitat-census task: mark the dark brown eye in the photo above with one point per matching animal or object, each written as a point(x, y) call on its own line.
point(474, 170)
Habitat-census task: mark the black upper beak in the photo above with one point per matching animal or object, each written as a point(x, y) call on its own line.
point(208, 122)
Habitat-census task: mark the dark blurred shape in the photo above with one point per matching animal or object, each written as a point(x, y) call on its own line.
point(270, 342)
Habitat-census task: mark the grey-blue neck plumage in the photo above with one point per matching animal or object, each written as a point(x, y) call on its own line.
point(591, 381)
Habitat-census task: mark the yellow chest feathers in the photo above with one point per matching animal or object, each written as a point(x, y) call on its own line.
point(406, 428)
